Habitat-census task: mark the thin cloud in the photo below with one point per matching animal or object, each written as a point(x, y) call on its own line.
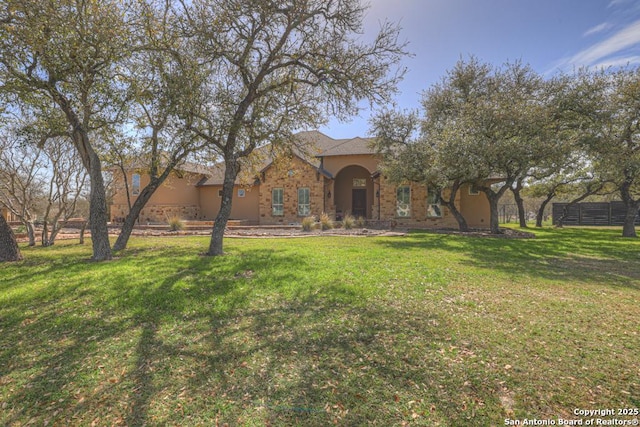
point(621, 40)
point(597, 29)
point(615, 3)
point(619, 62)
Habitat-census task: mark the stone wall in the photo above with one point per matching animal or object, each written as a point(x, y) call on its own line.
point(418, 218)
point(290, 175)
point(157, 213)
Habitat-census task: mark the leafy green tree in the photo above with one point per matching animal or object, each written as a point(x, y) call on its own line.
point(160, 78)
point(573, 178)
point(509, 127)
point(604, 109)
point(67, 54)
point(276, 67)
point(409, 149)
point(482, 125)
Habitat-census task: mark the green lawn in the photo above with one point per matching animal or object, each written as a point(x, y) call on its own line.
point(426, 329)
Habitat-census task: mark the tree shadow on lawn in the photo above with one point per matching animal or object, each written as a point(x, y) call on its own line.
point(69, 351)
point(589, 256)
point(315, 362)
point(219, 341)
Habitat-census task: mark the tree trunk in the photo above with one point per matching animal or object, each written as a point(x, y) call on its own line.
point(144, 196)
point(30, 232)
point(98, 214)
point(83, 228)
point(494, 197)
point(134, 212)
point(494, 219)
point(543, 206)
point(629, 227)
point(45, 233)
point(53, 235)
point(220, 224)
point(451, 205)
point(49, 237)
point(522, 215)
point(9, 250)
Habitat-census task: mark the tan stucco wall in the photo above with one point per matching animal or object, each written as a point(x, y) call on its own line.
point(343, 187)
point(177, 196)
point(8, 216)
point(475, 208)
point(334, 164)
point(244, 208)
point(291, 175)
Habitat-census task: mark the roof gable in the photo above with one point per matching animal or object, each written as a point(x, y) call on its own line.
point(309, 147)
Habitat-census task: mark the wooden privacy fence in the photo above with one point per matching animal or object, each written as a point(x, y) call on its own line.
point(594, 213)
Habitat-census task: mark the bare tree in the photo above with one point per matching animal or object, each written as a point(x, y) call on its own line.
point(22, 178)
point(40, 181)
point(65, 189)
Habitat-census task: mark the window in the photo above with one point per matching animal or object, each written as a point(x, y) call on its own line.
point(277, 202)
point(434, 210)
point(403, 203)
point(241, 192)
point(359, 182)
point(304, 205)
point(219, 193)
point(473, 190)
point(135, 184)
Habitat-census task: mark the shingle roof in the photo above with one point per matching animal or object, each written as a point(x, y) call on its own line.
point(349, 147)
point(309, 146)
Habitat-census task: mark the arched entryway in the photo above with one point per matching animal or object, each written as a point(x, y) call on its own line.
point(353, 190)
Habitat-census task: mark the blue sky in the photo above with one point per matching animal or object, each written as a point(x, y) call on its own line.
point(550, 35)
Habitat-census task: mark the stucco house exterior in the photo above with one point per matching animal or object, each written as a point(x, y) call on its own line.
point(7, 215)
point(336, 176)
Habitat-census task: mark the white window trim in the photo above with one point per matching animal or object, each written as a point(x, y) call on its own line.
point(304, 209)
point(406, 211)
point(274, 205)
point(437, 204)
point(135, 189)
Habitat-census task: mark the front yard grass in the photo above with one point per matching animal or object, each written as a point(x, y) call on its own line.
point(426, 329)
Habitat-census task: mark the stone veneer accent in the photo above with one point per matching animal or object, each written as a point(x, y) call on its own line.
point(157, 213)
point(291, 175)
point(388, 200)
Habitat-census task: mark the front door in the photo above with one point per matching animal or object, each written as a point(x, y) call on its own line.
point(359, 202)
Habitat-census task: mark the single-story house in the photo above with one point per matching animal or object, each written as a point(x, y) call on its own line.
point(335, 176)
